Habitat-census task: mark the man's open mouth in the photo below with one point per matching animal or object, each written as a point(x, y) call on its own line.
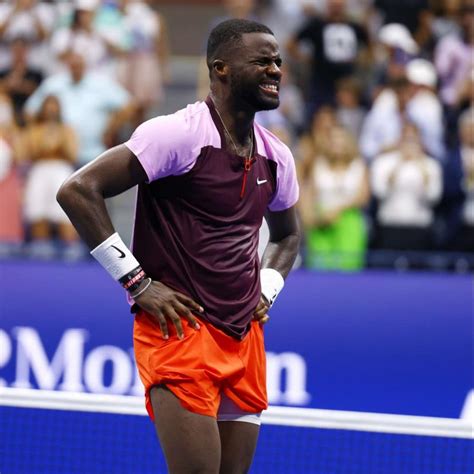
point(271, 89)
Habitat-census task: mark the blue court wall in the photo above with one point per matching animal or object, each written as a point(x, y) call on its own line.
point(374, 341)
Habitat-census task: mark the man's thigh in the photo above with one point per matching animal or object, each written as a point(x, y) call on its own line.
point(238, 441)
point(190, 442)
point(238, 430)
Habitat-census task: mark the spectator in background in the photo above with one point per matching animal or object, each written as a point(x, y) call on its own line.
point(333, 196)
point(285, 16)
point(276, 123)
point(453, 114)
point(454, 57)
point(83, 37)
point(52, 152)
point(381, 128)
point(414, 14)
point(399, 102)
point(30, 20)
point(317, 141)
point(424, 108)
point(11, 156)
point(349, 112)
point(94, 105)
point(407, 184)
point(145, 66)
point(397, 48)
point(19, 80)
point(458, 198)
point(466, 242)
point(336, 42)
point(446, 19)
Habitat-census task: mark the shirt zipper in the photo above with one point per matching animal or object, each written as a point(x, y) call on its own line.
point(247, 165)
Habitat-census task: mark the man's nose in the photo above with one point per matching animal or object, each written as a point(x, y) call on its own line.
point(274, 70)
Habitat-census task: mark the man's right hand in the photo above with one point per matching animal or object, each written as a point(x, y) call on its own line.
point(165, 303)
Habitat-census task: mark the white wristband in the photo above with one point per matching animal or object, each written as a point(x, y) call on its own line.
point(115, 257)
point(272, 283)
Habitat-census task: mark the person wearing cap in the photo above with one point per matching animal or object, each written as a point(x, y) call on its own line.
point(402, 100)
point(398, 48)
point(425, 108)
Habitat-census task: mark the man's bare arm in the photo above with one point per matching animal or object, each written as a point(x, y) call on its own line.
point(282, 248)
point(83, 195)
point(280, 253)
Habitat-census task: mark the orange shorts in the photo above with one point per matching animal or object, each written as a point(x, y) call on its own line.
point(202, 365)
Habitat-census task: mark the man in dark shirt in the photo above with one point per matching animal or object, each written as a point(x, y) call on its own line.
point(206, 176)
point(19, 80)
point(336, 43)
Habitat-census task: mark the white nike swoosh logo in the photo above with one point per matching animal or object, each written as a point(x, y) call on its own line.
point(261, 181)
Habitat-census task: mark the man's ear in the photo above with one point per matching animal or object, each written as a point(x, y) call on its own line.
point(220, 68)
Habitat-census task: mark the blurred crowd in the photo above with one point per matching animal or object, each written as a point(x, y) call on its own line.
point(75, 78)
point(384, 137)
point(377, 104)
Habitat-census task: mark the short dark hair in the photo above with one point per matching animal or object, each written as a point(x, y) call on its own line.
point(231, 31)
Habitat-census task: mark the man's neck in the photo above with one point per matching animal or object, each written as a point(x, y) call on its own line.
point(236, 119)
point(76, 79)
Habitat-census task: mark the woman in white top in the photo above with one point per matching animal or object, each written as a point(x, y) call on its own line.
point(52, 152)
point(407, 184)
point(333, 196)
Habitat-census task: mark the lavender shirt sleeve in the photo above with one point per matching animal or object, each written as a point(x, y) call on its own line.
point(287, 189)
point(164, 146)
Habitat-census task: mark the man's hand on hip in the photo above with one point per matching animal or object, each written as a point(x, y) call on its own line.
point(260, 313)
point(165, 303)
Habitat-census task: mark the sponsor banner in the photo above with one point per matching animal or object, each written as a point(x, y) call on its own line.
point(372, 342)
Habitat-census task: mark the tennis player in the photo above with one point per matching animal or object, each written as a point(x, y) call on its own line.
point(206, 177)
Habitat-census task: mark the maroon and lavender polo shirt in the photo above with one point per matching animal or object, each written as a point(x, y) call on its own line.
point(194, 230)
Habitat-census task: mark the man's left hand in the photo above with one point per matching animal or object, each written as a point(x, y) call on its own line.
point(260, 313)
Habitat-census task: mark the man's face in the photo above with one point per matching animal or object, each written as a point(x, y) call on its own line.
point(77, 66)
point(336, 7)
point(19, 50)
point(255, 71)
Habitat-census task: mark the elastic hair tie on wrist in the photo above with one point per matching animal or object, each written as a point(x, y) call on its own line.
point(147, 285)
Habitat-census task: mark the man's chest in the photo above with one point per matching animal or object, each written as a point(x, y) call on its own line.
point(223, 186)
